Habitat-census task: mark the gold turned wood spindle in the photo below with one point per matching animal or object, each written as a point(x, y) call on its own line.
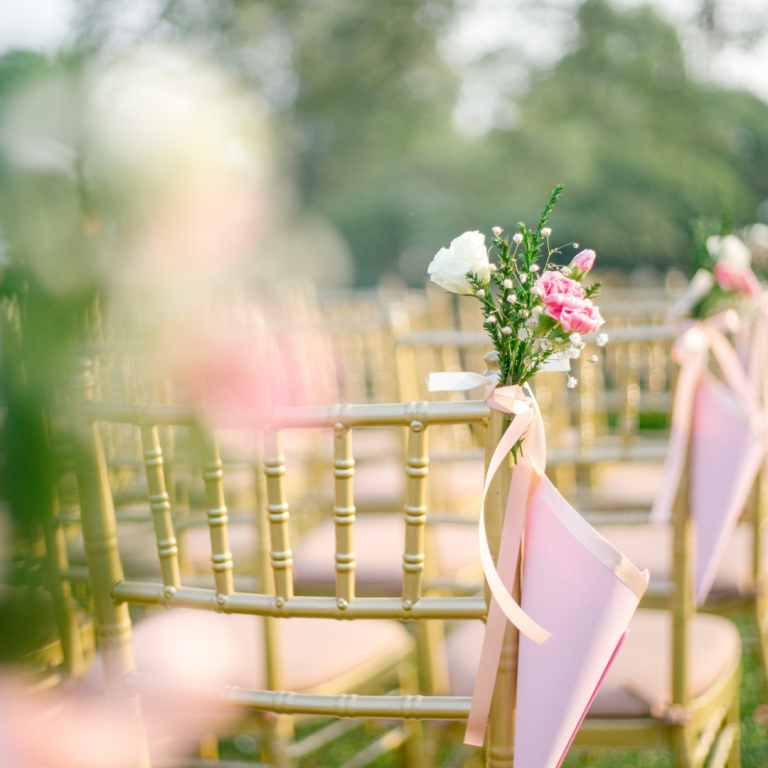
point(416, 468)
point(281, 556)
point(213, 475)
point(501, 737)
point(344, 513)
point(99, 526)
point(160, 504)
point(682, 610)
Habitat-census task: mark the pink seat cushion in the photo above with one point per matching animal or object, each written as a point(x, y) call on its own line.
point(650, 546)
point(193, 650)
point(138, 548)
point(378, 546)
point(640, 677)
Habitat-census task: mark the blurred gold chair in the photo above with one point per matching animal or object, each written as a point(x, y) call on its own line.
point(383, 643)
point(38, 596)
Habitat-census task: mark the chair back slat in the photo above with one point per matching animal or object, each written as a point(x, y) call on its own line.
point(344, 513)
point(281, 556)
point(100, 536)
point(417, 467)
point(160, 504)
point(213, 476)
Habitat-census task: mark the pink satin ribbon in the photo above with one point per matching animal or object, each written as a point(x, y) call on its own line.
point(691, 351)
point(527, 473)
point(757, 360)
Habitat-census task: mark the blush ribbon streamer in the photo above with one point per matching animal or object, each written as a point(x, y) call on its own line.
point(690, 352)
point(526, 476)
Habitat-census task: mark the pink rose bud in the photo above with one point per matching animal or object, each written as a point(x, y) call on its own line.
point(581, 264)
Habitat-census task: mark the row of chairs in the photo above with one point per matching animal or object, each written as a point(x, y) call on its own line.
point(439, 660)
point(705, 650)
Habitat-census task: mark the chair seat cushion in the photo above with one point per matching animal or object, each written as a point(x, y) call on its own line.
point(650, 546)
point(191, 650)
point(640, 678)
point(378, 546)
point(138, 548)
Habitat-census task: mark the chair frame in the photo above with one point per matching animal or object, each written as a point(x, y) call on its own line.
point(112, 593)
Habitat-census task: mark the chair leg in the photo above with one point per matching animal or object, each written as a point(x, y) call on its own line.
point(761, 611)
point(209, 747)
point(279, 738)
point(685, 745)
point(734, 718)
point(416, 746)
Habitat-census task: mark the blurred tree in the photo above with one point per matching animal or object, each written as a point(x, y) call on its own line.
point(363, 101)
point(642, 149)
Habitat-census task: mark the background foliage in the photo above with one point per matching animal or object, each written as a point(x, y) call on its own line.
point(361, 100)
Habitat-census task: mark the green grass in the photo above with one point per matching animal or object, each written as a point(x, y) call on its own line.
point(754, 735)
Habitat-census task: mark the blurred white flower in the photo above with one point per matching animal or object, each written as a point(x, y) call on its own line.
point(572, 382)
point(466, 253)
point(517, 237)
point(730, 250)
point(546, 231)
point(497, 231)
point(602, 339)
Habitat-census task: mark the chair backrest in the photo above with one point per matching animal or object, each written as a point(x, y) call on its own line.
point(112, 593)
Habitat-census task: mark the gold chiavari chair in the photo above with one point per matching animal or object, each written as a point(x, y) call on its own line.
point(113, 593)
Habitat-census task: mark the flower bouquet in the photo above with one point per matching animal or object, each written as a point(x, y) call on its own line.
point(577, 592)
point(535, 311)
point(723, 278)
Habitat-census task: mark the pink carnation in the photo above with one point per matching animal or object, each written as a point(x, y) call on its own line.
point(583, 261)
point(557, 292)
point(734, 278)
point(585, 318)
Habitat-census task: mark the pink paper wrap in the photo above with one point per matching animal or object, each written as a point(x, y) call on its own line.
point(724, 425)
point(585, 592)
point(573, 580)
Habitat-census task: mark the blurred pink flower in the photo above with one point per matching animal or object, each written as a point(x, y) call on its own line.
point(581, 319)
point(735, 278)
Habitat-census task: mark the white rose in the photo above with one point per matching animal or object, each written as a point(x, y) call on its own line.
point(729, 249)
point(467, 253)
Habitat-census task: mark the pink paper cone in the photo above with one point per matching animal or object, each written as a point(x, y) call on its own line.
point(585, 592)
point(726, 452)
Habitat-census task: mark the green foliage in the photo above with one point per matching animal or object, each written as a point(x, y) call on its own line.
point(642, 148)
